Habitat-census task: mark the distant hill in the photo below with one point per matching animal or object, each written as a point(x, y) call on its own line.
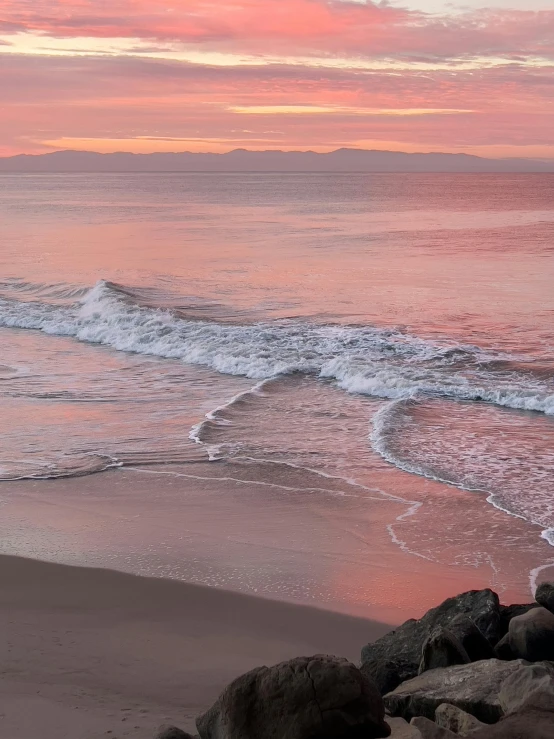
point(241, 160)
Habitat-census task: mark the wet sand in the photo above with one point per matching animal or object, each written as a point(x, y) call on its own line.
point(90, 653)
point(276, 532)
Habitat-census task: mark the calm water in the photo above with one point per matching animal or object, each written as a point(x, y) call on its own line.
point(338, 324)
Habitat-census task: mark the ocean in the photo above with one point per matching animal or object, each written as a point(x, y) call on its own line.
point(340, 337)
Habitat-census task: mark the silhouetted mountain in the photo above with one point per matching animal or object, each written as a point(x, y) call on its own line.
point(242, 160)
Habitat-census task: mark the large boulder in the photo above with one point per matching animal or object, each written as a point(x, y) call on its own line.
point(507, 613)
point(531, 636)
point(531, 687)
point(387, 674)
point(406, 643)
point(473, 688)
point(544, 596)
point(304, 698)
point(454, 719)
point(442, 649)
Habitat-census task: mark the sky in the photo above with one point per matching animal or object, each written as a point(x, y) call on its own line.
point(216, 75)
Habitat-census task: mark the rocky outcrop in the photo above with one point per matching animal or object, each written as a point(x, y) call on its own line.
point(544, 596)
point(531, 636)
point(304, 698)
point(474, 688)
point(405, 644)
point(454, 719)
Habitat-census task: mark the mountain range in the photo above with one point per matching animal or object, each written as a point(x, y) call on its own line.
point(242, 160)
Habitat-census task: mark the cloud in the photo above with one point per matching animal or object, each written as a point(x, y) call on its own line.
point(302, 73)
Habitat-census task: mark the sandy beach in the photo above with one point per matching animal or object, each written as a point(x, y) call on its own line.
point(90, 653)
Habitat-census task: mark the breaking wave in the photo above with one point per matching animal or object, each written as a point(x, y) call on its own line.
point(381, 362)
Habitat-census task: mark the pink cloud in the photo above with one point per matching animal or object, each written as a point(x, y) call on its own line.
point(290, 26)
point(50, 98)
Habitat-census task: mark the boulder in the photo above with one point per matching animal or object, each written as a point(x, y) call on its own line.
point(304, 698)
point(442, 649)
point(454, 719)
point(529, 687)
point(401, 729)
point(544, 596)
point(531, 636)
point(171, 732)
point(503, 649)
point(406, 643)
point(526, 725)
point(430, 730)
point(387, 674)
point(509, 612)
point(473, 688)
point(474, 642)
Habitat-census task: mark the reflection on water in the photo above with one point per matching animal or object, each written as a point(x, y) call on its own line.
point(444, 285)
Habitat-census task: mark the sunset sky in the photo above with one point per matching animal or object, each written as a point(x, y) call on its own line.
point(214, 75)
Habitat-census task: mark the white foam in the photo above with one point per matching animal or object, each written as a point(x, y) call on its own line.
point(367, 360)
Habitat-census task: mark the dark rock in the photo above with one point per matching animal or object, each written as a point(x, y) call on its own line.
point(454, 719)
point(503, 649)
point(527, 725)
point(507, 613)
point(531, 636)
point(401, 729)
point(476, 645)
point(171, 732)
point(473, 688)
point(544, 596)
point(387, 674)
point(430, 730)
point(305, 698)
point(406, 642)
point(442, 649)
point(531, 687)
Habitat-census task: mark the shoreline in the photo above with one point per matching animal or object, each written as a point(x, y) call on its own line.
point(88, 652)
point(277, 532)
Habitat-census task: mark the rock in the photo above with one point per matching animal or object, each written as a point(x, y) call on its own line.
point(509, 612)
point(529, 687)
point(544, 596)
point(442, 649)
point(473, 688)
point(406, 643)
point(527, 725)
point(171, 732)
point(531, 636)
point(454, 719)
point(429, 729)
point(471, 638)
point(503, 649)
point(401, 729)
point(387, 674)
point(304, 698)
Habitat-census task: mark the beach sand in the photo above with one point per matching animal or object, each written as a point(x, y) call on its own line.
point(297, 565)
point(90, 653)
